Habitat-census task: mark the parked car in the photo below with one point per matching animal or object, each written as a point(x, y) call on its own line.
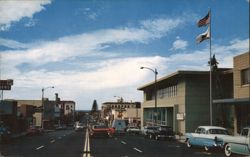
point(34, 130)
point(238, 144)
point(146, 129)
point(119, 126)
point(207, 137)
point(61, 127)
point(100, 130)
point(133, 130)
point(160, 132)
point(4, 134)
point(79, 126)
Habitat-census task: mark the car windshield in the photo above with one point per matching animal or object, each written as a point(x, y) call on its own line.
point(100, 126)
point(165, 128)
point(218, 131)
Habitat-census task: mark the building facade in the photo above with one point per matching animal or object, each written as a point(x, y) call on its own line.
point(129, 111)
point(237, 107)
point(182, 100)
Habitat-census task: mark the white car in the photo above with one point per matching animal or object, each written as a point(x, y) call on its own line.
point(133, 130)
point(79, 126)
point(238, 144)
point(207, 137)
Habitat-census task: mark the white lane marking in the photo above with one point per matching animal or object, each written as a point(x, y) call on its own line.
point(86, 150)
point(39, 147)
point(123, 142)
point(138, 150)
point(203, 153)
point(52, 141)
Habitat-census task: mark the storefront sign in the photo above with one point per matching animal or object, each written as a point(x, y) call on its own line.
point(180, 116)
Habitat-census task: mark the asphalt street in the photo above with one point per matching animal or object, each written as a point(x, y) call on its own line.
point(63, 143)
point(68, 143)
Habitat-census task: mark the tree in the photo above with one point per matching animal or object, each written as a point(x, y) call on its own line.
point(94, 106)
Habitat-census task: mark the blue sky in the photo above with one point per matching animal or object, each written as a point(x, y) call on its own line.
point(93, 49)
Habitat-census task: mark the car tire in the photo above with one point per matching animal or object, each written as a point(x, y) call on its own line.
point(188, 144)
point(150, 136)
point(227, 150)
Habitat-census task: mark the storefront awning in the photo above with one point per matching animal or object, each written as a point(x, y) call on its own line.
point(239, 101)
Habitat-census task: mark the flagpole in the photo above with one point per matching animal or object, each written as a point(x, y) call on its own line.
point(210, 47)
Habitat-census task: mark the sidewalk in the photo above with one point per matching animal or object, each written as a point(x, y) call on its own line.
point(181, 139)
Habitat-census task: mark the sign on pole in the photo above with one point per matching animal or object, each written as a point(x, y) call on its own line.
point(6, 84)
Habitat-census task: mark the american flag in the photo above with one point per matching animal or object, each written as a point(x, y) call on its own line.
point(204, 21)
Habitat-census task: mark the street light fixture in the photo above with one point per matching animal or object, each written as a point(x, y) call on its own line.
point(43, 89)
point(155, 90)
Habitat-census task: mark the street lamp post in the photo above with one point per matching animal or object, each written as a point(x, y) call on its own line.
point(42, 118)
point(155, 91)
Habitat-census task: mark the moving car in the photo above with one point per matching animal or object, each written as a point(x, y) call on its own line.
point(34, 130)
point(79, 126)
point(4, 134)
point(207, 137)
point(119, 126)
point(100, 130)
point(238, 144)
point(133, 130)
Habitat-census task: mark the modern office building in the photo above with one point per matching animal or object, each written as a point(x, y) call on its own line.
point(183, 98)
point(182, 101)
point(236, 109)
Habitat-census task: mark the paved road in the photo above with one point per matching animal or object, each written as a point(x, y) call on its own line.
point(68, 143)
point(138, 146)
point(63, 143)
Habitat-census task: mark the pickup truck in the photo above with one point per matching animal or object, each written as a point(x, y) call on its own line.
point(238, 144)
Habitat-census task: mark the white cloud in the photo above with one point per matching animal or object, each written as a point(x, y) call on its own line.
point(31, 23)
point(12, 44)
point(161, 26)
point(109, 76)
point(15, 10)
point(88, 43)
point(179, 44)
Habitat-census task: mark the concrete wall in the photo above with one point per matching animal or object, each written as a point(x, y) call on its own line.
point(197, 102)
point(176, 102)
point(241, 62)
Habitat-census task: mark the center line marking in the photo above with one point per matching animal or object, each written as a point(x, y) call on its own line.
point(123, 142)
point(39, 147)
point(138, 150)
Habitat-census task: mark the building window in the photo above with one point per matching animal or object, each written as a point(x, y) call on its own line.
point(170, 91)
point(245, 76)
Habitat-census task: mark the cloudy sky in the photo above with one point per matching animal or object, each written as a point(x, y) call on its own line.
point(93, 49)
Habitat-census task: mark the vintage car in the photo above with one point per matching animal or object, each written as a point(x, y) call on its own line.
point(158, 132)
point(4, 134)
point(34, 130)
point(238, 144)
point(207, 137)
point(133, 130)
point(100, 130)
